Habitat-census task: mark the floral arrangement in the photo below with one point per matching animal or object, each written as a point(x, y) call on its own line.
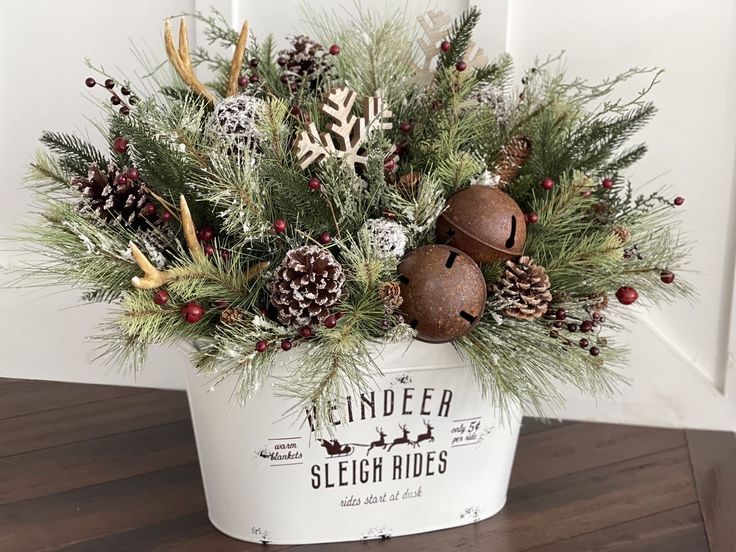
point(392, 185)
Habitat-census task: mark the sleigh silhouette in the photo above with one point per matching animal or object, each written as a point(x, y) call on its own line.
point(334, 448)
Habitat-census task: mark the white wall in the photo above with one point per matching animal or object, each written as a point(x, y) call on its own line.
point(679, 364)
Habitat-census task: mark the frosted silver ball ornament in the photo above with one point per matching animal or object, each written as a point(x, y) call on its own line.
point(235, 119)
point(386, 237)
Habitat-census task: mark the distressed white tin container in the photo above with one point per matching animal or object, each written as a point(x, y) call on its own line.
point(423, 451)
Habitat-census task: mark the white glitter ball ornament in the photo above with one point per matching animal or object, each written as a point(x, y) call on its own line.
point(386, 237)
point(235, 119)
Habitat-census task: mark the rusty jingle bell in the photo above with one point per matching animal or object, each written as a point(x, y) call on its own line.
point(443, 291)
point(483, 222)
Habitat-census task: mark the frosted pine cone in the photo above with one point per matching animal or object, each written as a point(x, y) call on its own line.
point(305, 286)
point(235, 120)
point(524, 289)
point(386, 237)
point(114, 195)
point(512, 157)
point(304, 64)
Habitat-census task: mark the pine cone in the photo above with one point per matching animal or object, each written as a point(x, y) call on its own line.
point(305, 286)
point(231, 316)
point(114, 196)
point(598, 301)
point(622, 233)
point(524, 289)
point(513, 156)
point(306, 62)
point(390, 293)
point(408, 185)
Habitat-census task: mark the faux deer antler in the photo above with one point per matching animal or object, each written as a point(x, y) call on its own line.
point(182, 61)
point(236, 65)
point(155, 278)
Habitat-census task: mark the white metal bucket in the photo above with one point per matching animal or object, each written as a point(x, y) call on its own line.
point(423, 451)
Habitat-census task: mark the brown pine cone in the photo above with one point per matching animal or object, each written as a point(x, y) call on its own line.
point(523, 287)
point(116, 197)
point(512, 157)
point(390, 292)
point(305, 64)
point(622, 233)
point(305, 286)
point(598, 301)
point(231, 316)
point(408, 185)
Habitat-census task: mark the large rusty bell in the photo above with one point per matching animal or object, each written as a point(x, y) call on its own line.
point(443, 292)
point(483, 222)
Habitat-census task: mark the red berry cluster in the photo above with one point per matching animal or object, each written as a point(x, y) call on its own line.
point(562, 321)
point(115, 98)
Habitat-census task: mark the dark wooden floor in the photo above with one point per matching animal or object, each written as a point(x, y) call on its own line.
point(86, 468)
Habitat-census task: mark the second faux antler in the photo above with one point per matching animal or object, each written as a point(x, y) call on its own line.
point(154, 278)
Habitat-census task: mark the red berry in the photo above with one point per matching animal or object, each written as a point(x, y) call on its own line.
point(192, 312)
point(120, 144)
point(389, 165)
point(306, 331)
point(445, 45)
point(330, 322)
point(584, 343)
point(461, 65)
point(133, 173)
point(261, 346)
point(667, 277)
point(133, 100)
point(295, 111)
point(161, 297)
point(405, 127)
point(532, 218)
point(90, 82)
point(334, 50)
point(224, 253)
point(548, 183)
point(325, 238)
point(627, 295)
point(607, 183)
point(149, 209)
point(124, 110)
point(208, 249)
point(254, 78)
point(679, 200)
point(253, 62)
point(286, 344)
point(114, 100)
point(560, 314)
point(205, 234)
point(595, 351)
point(314, 184)
point(572, 327)
point(282, 61)
point(279, 226)
point(122, 181)
point(124, 91)
point(109, 83)
point(243, 81)
point(586, 326)
point(165, 216)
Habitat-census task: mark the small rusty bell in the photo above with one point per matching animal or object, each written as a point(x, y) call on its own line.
point(443, 292)
point(483, 222)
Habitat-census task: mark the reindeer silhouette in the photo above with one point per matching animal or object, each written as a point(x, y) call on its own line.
point(381, 443)
point(425, 436)
point(401, 440)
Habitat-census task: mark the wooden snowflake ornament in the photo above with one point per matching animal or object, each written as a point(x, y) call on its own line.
point(436, 27)
point(349, 130)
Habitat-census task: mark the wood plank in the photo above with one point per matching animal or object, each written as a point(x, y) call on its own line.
point(89, 421)
point(677, 530)
point(547, 512)
point(575, 447)
point(96, 461)
point(28, 397)
point(534, 425)
point(61, 519)
point(713, 459)
point(193, 533)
